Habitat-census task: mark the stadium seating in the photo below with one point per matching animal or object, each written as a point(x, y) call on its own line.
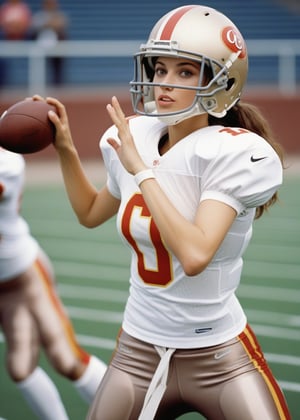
point(133, 19)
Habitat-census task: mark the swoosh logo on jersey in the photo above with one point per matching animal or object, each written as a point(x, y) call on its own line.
point(221, 354)
point(202, 330)
point(253, 159)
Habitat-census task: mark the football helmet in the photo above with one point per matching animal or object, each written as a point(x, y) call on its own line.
point(206, 36)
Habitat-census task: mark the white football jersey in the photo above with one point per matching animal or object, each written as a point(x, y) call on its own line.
point(18, 249)
point(232, 165)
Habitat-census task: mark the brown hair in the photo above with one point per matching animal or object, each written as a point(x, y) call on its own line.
point(248, 116)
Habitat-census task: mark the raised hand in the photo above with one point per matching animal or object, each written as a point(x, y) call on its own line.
point(124, 144)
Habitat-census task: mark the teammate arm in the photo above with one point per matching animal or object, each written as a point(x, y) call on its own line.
point(91, 206)
point(193, 243)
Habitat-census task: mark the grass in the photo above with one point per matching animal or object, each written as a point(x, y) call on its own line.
point(92, 268)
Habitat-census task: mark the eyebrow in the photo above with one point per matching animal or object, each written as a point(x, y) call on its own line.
point(181, 64)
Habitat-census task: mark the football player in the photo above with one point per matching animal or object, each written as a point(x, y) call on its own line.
point(32, 315)
point(187, 176)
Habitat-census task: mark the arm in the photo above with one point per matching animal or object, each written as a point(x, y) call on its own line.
point(91, 206)
point(193, 243)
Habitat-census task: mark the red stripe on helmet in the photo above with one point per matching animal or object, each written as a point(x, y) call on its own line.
point(169, 27)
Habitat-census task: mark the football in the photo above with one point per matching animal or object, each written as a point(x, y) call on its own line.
point(26, 128)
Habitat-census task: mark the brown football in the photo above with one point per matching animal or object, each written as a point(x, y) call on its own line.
point(26, 128)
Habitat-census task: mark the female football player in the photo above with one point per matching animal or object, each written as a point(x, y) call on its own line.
point(186, 177)
point(31, 314)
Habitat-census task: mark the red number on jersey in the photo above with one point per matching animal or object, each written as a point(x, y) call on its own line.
point(162, 275)
point(234, 131)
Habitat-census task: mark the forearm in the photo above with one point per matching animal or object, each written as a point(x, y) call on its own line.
point(182, 237)
point(80, 191)
point(92, 207)
point(194, 242)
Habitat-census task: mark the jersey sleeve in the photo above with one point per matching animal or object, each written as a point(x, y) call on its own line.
point(110, 161)
point(244, 174)
point(12, 171)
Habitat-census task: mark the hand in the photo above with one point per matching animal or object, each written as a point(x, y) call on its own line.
point(124, 145)
point(63, 137)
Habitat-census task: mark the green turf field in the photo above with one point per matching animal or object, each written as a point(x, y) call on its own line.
point(92, 269)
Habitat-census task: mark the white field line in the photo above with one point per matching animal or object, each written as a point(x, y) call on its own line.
point(97, 315)
point(273, 318)
point(280, 333)
point(92, 293)
point(273, 270)
point(289, 386)
point(278, 294)
point(283, 359)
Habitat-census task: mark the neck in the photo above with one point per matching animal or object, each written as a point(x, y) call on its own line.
point(186, 127)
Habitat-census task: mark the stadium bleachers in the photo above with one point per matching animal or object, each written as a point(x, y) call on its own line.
point(132, 20)
point(119, 19)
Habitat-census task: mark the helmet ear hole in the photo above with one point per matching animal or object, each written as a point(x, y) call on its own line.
point(149, 64)
point(148, 69)
point(230, 83)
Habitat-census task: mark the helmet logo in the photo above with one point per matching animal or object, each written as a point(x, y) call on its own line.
point(234, 40)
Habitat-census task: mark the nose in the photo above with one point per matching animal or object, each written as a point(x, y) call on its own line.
point(167, 88)
point(169, 80)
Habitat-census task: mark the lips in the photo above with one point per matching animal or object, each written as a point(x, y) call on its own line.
point(165, 100)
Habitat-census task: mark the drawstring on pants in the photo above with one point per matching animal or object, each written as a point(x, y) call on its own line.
point(158, 384)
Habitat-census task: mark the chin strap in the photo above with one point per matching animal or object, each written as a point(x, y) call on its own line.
point(158, 384)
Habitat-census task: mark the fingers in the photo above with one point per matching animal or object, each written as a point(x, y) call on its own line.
point(53, 117)
point(115, 112)
point(113, 142)
point(57, 104)
point(60, 109)
point(37, 98)
point(61, 112)
point(50, 100)
point(53, 101)
point(117, 107)
point(59, 118)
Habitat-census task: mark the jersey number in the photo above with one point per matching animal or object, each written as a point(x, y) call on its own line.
point(234, 131)
point(162, 274)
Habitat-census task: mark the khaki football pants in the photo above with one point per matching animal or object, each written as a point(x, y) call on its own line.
point(231, 381)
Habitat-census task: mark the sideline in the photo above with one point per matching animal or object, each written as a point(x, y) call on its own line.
point(48, 172)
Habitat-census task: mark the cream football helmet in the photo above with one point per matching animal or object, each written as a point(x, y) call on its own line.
point(206, 36)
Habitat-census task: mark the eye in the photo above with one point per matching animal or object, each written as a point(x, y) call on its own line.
point(160, 71)
point(186, 73)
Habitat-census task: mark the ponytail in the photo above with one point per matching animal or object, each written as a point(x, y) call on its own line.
point(249, 117)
